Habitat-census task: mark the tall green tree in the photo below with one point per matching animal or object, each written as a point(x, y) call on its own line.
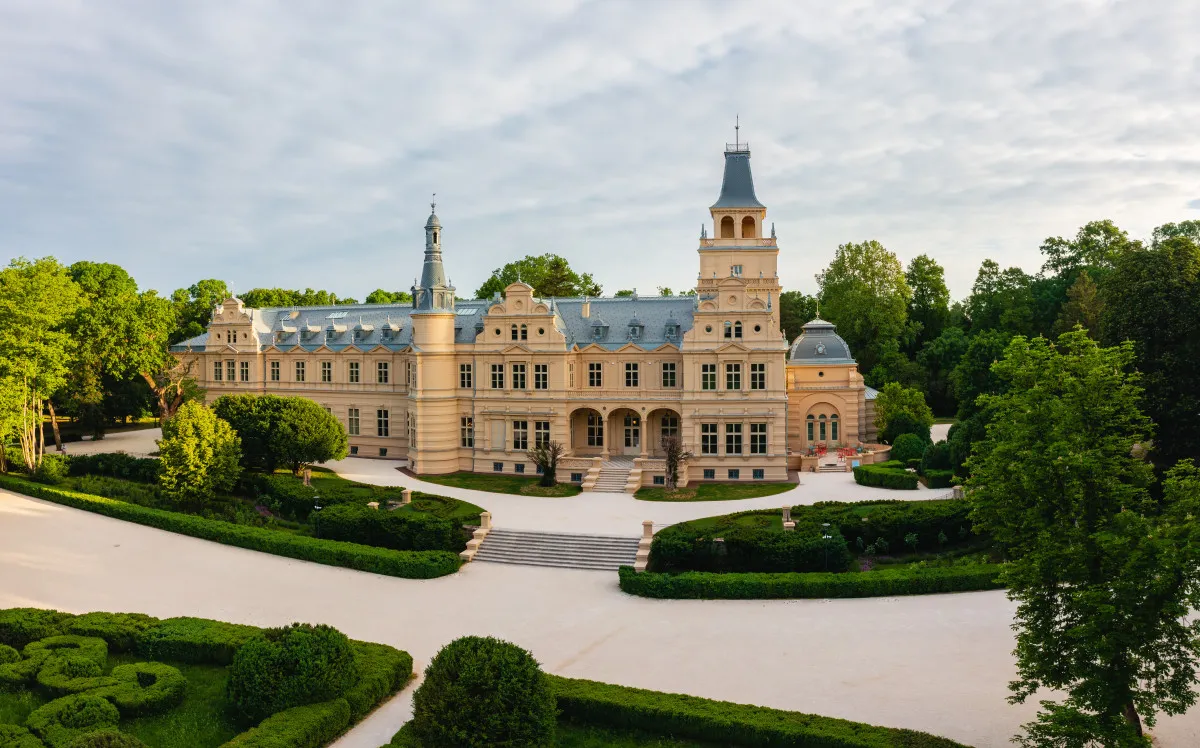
point(259, 298)
point(379, 296)
point(1083, 307)
point(194, 307)
point(930, 304)
point(938, 359)
point(550, 275)
point(1152, 298)
point(1104, 577)
point(200, 453)
point(282, 431)
point(1002, 300)
point(895, 400)
point(864, 292)
point(796, 309)
point(1095, 246)
point(1183, 229)
point(37, 300)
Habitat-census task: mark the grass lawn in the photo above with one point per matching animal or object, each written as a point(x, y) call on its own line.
point(714, 492)
point(499, 483)
point(201, 721)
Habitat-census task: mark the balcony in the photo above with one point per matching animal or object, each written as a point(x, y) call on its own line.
point(735, 243)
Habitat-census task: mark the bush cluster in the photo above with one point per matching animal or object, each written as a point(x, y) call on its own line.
point(407, 564)
point(14, 736)
point(722, 722)
point(145, 688)
point(747, 549)
point(938, 478)
point(936, 523)
point(197, 640)
point(52, 470)
point(908, 447)
point(405, 531)
point(61, 721)
point(903, 581)
point(292, 666)
point(890, 474)
point(20, 626)
point(481, 691)
point(115, 465)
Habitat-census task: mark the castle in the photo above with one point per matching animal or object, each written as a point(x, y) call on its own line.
point(471, 385)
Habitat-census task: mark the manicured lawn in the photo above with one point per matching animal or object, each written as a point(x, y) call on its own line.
point(714, 492)
point(499, 483)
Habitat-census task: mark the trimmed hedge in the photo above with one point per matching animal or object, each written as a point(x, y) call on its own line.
point(296, 665)
point(406, 564)
point(116, 465)
point(890, 474)
point(746, 549)
point(63, 720)
point(107, 738)
point(311, 726)
point(145, 688)
point(893, 520)
point(20, 626)
point(13, 736)
point(72, 672)
point(698, 585)
point(382, 670)
point(120, 630)
point(406, 531)
point(196, 640)
point(938, 478)
point(722, 722)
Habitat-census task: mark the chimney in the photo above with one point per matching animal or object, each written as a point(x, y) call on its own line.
point(585, 310)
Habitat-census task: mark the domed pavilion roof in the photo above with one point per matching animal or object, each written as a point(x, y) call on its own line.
point(819, 344)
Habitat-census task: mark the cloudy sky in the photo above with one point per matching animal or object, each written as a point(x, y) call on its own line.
point(296, 143)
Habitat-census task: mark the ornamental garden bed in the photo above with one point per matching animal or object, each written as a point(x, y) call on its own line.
point(836, 549)
point(500, 483)
point(714, 491)
point(117, 680)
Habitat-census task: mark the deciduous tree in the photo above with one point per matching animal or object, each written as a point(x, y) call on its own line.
point(894, 400)
point(796, 309)
point(549, 274)
point(1002, 300)
point(546, 455)
point(864, 292)
point(1083, 307)
point(201, 455)
point(676, 455)
point(930, 303)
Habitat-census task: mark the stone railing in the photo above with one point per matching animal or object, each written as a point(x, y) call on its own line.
point(485, 526)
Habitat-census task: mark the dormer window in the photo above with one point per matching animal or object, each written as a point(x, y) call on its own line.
point(635, 332)
point(672, 330)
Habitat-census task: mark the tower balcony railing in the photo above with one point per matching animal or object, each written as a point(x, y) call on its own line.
point(763, 242)
point(737, 147)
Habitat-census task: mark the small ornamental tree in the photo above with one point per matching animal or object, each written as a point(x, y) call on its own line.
point(290, 666)
point(546, 455)
point(676, 455)
point(282, 431)
point(201, 455)
point(895, 399)
point(1104, 575)
point(908, 447)
point(481, 691)
point(905, 423)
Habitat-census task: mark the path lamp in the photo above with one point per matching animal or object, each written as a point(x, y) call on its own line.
point(825, 536)
point(317, 508)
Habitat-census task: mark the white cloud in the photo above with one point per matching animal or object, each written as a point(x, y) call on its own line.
point(296, 143)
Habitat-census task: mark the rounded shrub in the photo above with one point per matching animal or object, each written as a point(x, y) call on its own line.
point(481, 691)
point(88, 647)
point(107, 738)
point(904, 422)
point(145, 688)
point(120, 630)
point(8, 655)
point(63, 720)
point(14, 736)
point(52, 470)
point(936, 457)
point(292, 666)
point(19, 626)
point(71, 671)
point(908, 447)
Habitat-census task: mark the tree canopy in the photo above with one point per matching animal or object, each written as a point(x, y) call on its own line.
point(796, 309)
point(929, 307)
point(550, 275)
point(282, 431)
point(259, 298)
point(200, 455)
point(864, 292)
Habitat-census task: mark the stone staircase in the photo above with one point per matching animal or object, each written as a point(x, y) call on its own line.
point(831, 467)
point(614, 476)
point(528, 548)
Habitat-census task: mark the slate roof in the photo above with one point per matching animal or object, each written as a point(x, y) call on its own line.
point(737, 186)
point(819, 344)
point(652, 314)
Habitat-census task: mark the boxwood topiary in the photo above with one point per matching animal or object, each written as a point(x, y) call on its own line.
point(16, 675)
point(120, 630)
point(145, 688)
point(63, 720)
point(14, 736)
point(19, 626)
point(107, 738)
point(197, 640)
point(71, 671)
point(8, 655)
point(291, 666)
point(908, 447)
point(481, 691)
point(88, 647)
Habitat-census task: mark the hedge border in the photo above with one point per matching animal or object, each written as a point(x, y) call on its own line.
point(701, 585)
point(383, 670)
point(604, 704)
point(891, 475)
point(404, 564)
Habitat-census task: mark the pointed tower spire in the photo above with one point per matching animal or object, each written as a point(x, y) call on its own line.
point(434, 293)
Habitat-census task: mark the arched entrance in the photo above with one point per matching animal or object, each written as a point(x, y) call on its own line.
point(659, 423)
point(588, 432)
point(628, 433)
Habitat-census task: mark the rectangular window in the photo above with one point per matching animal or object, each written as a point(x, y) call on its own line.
point(595, 430)
point(758, 438)
point(218, 371)
point(381, 372)
point(833, 424)
point(595, 374)
point(497, 376)
point(709, 473)
point(352, 373)
point(518, 371)
point(668, 374)
point(631, 374)
point(577, 477)
point(670, 426)
point(352, 422)
point(353, 451)
point(735, 271)
point(733, 438)
point(244, 371)
point(274, 371)
point(229, 371)
point(464, 376)
point(822, 428)
point(381, 423)
point(708, 376)
point(520, 466)
point(660, 480)
point(299, 371)
point(810, 428)
point(734, 473)
point(733, 376)
point(759, 473)
point(708, 438)
point(521, 435)
point(541, 376)
point(497, 467)
point(326, 371)
point(758, 376)
point(467, 429)
point(383, 451)
point(541, 433)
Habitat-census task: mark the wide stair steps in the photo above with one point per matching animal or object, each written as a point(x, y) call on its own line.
point(528, 548)
point(613, 477)
point(831, 468)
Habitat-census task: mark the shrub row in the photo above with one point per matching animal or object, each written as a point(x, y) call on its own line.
point(938, 478)
point(722, 722)
point(401, 531)
point(890, 474)
point(288, 496)
point(746, 549)
point(14, 736)
point(407, 564)
point(196, 640)
point(311, 726)
point(699, 585)
point(894, 521)
point(116, 465)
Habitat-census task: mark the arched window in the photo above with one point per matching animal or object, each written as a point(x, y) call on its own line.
point(811, 424)
point(514, 332)
point(748, 227)
point(728, 330)
point(435, 234)
point(727, 227)
point(737, 329)
point(833, 427)
point(822, 422)
point(524, 333)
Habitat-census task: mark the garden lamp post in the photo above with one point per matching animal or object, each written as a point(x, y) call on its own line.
point(825, 536)
point(317, 508)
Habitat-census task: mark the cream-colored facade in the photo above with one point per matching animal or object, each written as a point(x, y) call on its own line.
point(471, 385)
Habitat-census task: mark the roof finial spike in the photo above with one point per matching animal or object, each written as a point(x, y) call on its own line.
point(737, 126)
point(433, 203)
